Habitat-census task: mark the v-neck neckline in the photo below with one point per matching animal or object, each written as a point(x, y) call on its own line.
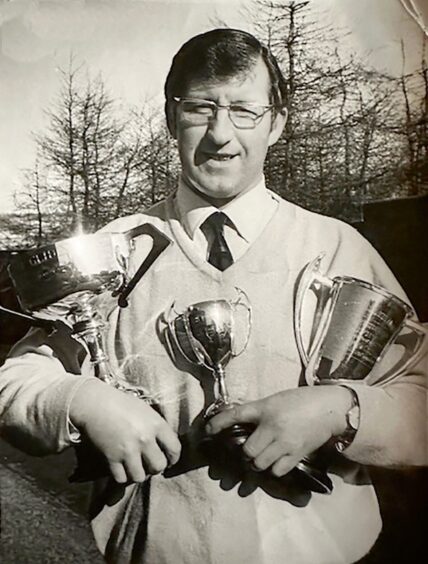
point(185, 243)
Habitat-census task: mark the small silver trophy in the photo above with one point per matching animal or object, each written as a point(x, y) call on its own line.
point(354, 323)
point(210, 334)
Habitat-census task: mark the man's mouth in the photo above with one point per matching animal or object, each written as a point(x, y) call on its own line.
point(220, 157)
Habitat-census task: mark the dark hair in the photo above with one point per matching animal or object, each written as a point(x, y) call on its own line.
point(221, 54)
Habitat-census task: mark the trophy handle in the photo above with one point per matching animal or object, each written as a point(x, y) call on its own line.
point(244, 302)
point(160, 243)
point(323, 285)
point(402, 366)
point(169, 318)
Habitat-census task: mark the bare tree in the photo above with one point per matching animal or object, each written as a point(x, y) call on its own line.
point(353, 134)
point(414, 127)
point(96, 161)
point(79, 148)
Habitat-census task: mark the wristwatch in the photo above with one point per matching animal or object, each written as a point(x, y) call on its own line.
point(352, 423)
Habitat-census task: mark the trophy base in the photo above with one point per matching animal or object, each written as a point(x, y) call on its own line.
point(235, 436)
point(232, 439)
point(313, 478)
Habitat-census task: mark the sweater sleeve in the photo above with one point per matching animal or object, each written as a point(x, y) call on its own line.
point(393, 416)
point(35, 395)
point(39, 379)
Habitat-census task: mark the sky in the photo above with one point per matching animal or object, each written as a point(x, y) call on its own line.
point(131, 42)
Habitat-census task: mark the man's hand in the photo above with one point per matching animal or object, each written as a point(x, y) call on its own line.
point(135, 440)
point(289, 425)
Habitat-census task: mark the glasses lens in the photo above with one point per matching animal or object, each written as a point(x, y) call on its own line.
point(244, 117)
point(197, 111)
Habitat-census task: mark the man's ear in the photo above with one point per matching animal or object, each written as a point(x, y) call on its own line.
point(171, 120)
point(278, 125)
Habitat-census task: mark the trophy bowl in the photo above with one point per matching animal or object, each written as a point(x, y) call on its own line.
point(354, 324)
point(59, 281)
point(84, 263)
point(62, 281)
point(210, 334)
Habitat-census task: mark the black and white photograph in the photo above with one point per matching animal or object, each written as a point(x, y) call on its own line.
point(213, 281)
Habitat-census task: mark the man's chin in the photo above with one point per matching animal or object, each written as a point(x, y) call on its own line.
point(219, 197)
point(211, 192)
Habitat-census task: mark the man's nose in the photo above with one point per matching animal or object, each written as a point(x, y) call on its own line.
point(220, 128)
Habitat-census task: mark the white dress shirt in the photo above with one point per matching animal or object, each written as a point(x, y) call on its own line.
point(248, 215)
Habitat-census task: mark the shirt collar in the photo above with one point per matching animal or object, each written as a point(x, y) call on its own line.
point(245, 211)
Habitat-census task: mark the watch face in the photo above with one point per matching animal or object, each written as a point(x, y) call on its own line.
point(352, 424)
point(354, 417)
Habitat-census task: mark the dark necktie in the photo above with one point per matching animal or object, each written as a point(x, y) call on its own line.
point(219, 255)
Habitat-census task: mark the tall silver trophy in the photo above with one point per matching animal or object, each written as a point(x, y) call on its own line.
point(73, 283)
point(64, 281)
point(210, 334)
point(353, 323)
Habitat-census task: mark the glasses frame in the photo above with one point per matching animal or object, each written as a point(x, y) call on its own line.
point(252, 123)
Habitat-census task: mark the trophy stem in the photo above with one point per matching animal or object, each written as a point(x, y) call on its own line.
point(236, 435)
point(90, 333)
point(88, 326)
point(220, 391)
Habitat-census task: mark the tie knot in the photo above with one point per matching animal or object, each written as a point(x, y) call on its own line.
point(217, 221)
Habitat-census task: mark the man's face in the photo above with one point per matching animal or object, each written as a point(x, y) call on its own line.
point(219, 160)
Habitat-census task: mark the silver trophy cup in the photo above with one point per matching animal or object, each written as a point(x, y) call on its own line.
point(60, 281)
point(64, 281)
point(210, 334)
point(354, 323)
point(76, 281)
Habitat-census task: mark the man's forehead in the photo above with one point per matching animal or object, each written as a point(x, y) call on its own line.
point(257, 71)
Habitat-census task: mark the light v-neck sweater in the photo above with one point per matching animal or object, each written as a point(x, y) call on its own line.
point(200, 514)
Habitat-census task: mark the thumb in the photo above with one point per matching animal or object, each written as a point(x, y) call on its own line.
point(246, 413)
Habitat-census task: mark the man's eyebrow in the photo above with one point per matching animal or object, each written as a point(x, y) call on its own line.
point(252, 102)
point(213, 98)
point(239, 101)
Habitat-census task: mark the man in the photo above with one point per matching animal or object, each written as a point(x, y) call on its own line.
point(225, 105)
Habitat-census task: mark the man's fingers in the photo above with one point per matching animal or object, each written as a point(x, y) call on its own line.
point(154, 459)
point(134, 469)
point(247, 413)
point(267, 457)
point(257, 442)
point(170, 444)
point(284, 465)
point(118, 472)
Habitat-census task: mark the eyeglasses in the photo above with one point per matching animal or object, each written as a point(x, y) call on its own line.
point(195, 111)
